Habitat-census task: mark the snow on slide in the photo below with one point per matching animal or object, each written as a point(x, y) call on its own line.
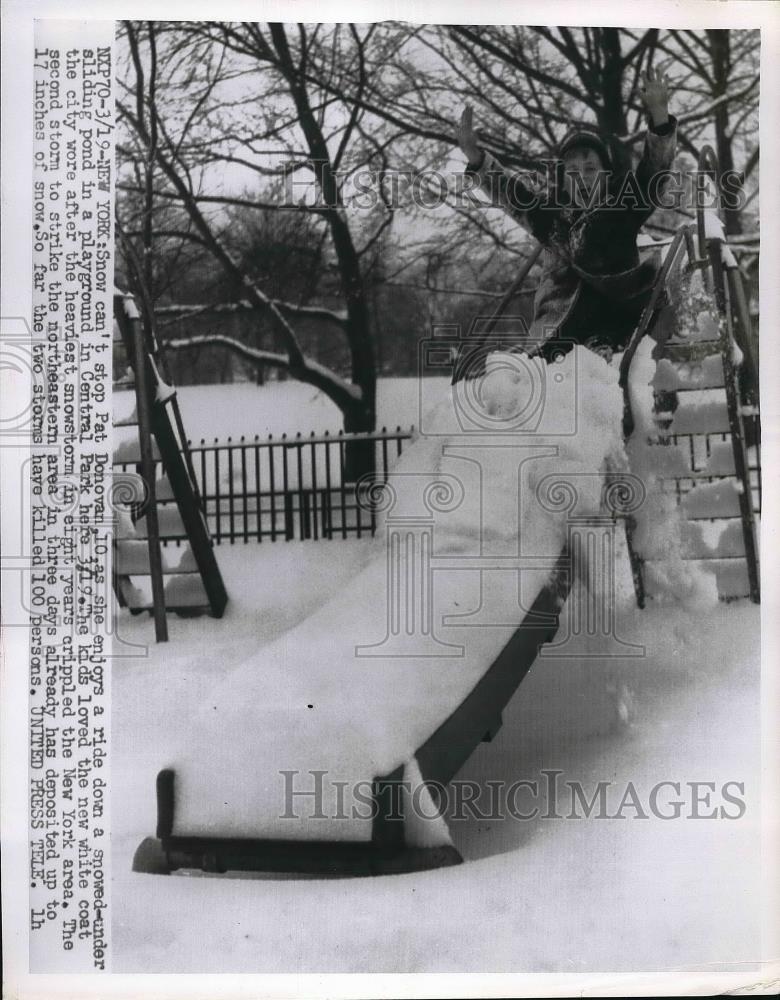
point(308, 702)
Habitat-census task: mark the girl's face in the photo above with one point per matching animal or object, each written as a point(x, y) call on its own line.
point(581, 166)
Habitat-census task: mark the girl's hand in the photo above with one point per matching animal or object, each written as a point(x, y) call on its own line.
point(655, 95)
point(467, 137)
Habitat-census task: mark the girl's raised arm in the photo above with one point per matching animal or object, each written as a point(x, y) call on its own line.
point(655, 96)
point(505, 190)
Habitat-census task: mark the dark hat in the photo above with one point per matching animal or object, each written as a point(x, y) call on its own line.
point(585, 136)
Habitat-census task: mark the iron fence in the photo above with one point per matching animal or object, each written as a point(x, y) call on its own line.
point(279, 488)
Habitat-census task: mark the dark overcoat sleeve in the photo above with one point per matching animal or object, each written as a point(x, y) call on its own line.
point(651, 176)
point(511, 193)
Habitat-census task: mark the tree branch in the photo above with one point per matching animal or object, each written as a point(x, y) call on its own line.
point(344, 394)
point(244, 305)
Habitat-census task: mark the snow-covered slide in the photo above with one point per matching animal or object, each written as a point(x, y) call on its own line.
point(317, 753)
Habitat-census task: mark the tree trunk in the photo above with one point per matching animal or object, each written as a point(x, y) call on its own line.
point(612, 114)
point(721, 58)
point(358, 325)
point(359, 456)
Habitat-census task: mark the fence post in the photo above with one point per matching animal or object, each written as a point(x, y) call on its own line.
point(305, 496)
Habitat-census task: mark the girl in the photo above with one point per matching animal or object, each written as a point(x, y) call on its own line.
point(593, 287)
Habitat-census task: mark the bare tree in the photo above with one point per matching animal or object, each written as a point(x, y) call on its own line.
point(242, 108)
point(718, 73)
point(198, 124)
point(532, 84)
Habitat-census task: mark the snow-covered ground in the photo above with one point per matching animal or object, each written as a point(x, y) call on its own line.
point(542, 894)
point(277, 408)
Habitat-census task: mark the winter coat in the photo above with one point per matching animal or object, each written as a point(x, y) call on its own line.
point(593, 286)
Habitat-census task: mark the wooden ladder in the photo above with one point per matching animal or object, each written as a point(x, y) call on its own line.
point(148, 575)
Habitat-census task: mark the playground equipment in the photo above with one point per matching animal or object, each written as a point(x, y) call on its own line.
point(717, 485)
point(725, 470)
point(387, 850)
point(438, 673)
point(388, 842)
point(185, 579)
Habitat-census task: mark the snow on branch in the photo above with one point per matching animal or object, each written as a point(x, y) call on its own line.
point(311, 312)
point(304, 369)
